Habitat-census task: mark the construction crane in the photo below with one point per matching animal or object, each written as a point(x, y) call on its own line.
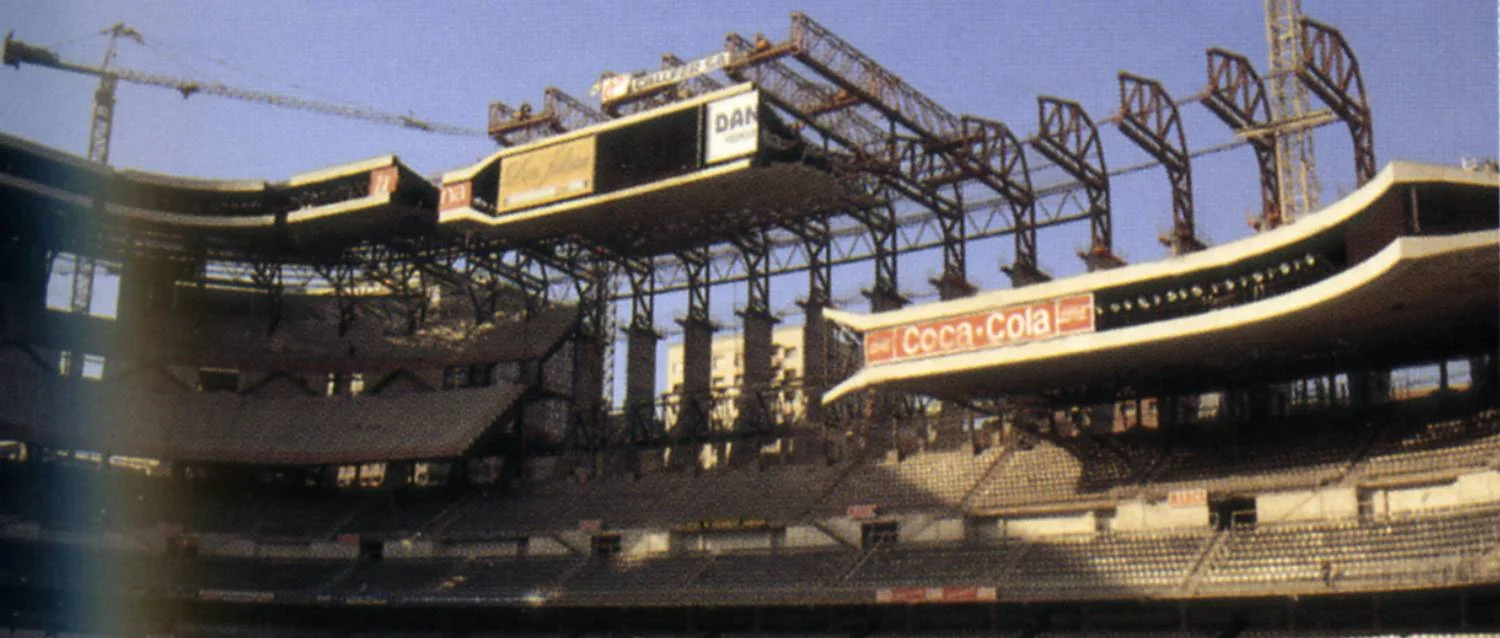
point(1296, 163)
point(18, 53)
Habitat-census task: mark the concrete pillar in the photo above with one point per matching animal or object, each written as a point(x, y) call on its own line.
point(753, 406)
point(815, 343)
point(697, 375)
point(640, 377)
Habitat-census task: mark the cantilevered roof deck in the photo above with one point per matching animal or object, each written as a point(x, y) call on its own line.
point(698, 202)
point(329, 206)
point(1416, 295)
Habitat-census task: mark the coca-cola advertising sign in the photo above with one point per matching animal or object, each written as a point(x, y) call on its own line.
point(982, 330)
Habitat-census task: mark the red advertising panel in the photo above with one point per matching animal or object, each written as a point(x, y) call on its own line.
point(981, 330)
point(383, 180)
point(456, 195)
point(954, 594)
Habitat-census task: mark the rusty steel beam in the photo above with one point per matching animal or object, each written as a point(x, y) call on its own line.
point(1237, 96)
point(1328, 68)
point(993, 145)
point(755, 251)
point(809, 102)
point(1150, 119)
point(560, 113)
point(638, 273)
point(863, 81)
point(1067, 136)
point(899, 166)
point(849, 68)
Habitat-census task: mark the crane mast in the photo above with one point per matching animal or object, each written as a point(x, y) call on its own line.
point(1296, 162)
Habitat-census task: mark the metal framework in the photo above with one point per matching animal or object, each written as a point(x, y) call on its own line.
point(1237, 96)
point(1067, 136)
point(560, 113)
point(1328, 67)
point(915, 165)
point(1296, 160)
point(1150, 119)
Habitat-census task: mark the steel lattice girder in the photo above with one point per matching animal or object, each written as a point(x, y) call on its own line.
point(1328, 67)
point(1237, 96)
point(1150, 119)
point(1067, 136)
point(560, 113)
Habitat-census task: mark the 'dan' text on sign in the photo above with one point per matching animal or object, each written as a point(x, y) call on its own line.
point(981, 330)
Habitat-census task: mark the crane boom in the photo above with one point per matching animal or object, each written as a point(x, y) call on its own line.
point(17, 53)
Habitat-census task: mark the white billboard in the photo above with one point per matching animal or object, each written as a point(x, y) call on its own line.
point(732, 127)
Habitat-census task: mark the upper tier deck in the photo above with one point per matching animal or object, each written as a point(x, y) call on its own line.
point(57, 194)
point(1402, 268)
point(686, 174)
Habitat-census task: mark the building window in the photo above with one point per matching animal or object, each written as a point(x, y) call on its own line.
point(606, 544)
point(371, 475)
point(218, 380)
point(878, 533)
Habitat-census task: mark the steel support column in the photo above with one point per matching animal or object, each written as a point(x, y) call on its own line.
point(815, 332)
point(697, 349)
point(340, 278)
point(880, 221)
point(1150, 119)
point(1328, 68)
point(758, 322)
point(640, 353)
point(1067, 136)
point(591, 337)
point(1237, 96)
point(267, 277)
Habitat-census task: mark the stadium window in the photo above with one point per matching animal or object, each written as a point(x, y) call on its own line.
point(64, 363)
point(88, 456)
point(372, 475)
point(93, 367)
point(425, 474)
point(218, 380)
point(346, 475)
point(878, 533)
point(13, 451)
point(605, 544)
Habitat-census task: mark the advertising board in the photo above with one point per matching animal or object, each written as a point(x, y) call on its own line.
point(981, 330)
point(547, 174)
point(731, 127)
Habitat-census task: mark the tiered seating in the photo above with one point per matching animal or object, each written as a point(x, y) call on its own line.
point(780, 574)
point(983, 566)
point(397, 577)
point(1466, 442)
point(931, 480)
point(1106, 564)
point(228, 427)
point(261, 575)
point(547, 507)
point(1433, 545)
point(398, 514)
point(647, 580)
point(1311, 456)
point(512, 578)
point(1045, 473)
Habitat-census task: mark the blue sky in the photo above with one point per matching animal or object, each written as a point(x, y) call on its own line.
point(1429, 67)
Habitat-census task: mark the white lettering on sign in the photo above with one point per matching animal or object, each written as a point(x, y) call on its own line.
point(981, 330)
point(455, 195)
point(733, 127)
point(616, 87)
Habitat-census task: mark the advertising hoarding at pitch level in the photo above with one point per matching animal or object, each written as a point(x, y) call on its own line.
point(731, 127)
point(981, 330)
point(547, 174)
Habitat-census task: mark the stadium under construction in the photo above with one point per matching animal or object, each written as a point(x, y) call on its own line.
point(362, 402)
